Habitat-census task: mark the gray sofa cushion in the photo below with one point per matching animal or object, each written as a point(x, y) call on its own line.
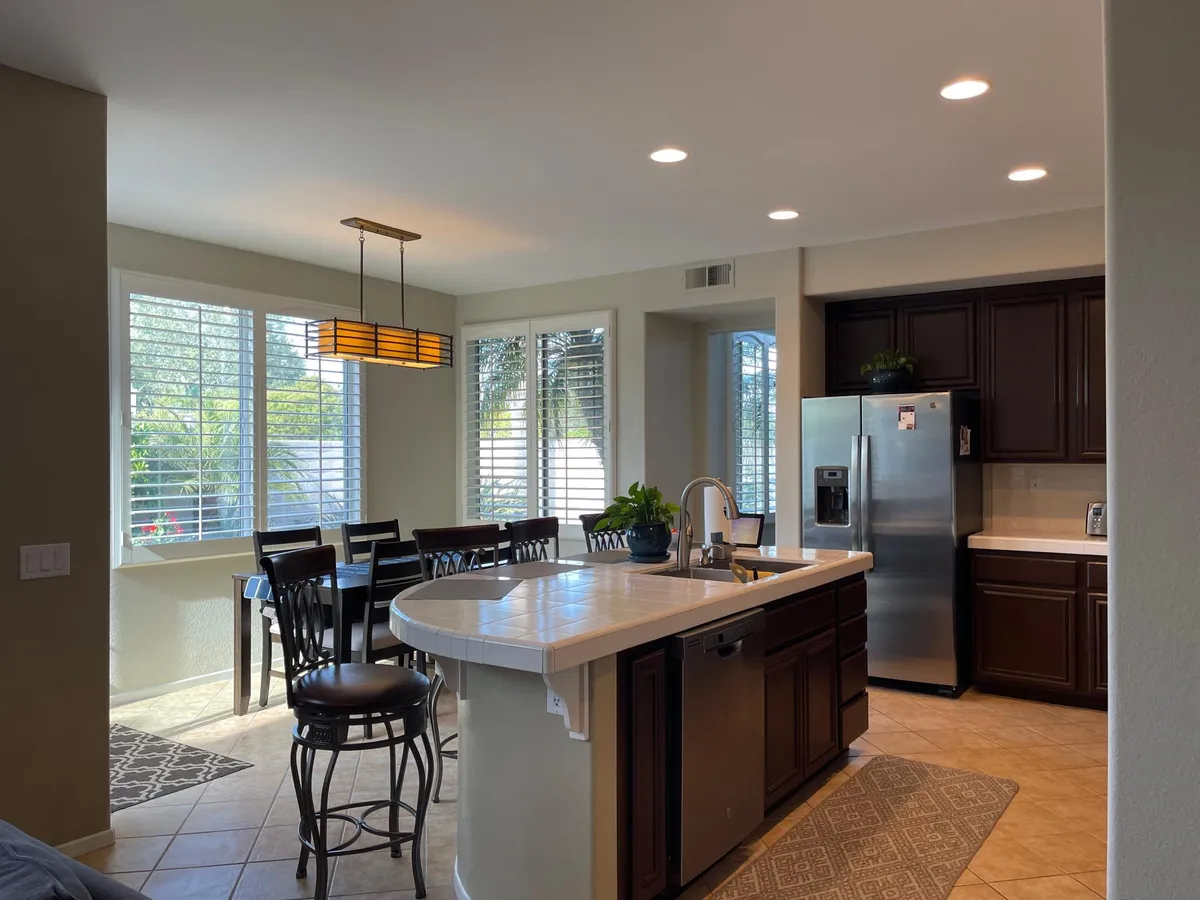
point(31, 870)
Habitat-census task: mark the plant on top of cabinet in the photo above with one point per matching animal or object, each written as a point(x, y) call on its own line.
point(645, 518)
point(889, 372)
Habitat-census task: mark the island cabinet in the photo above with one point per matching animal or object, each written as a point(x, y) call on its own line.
point(1041, 626)
point(1035, 353)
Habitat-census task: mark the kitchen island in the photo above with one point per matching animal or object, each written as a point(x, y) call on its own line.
point(565, 703)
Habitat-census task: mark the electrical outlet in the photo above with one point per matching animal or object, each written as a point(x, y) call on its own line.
point(554, 704)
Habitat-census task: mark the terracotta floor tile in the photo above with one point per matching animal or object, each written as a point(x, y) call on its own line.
point(1001, 859)
point(974, 892)
point(1066, 734)
point(1001, 763)
point(863, 747)
point(1027, 817)
point(148, 821)
point(274, 881)
point(1049, 785)
point(1086, 813)
point(1016, 736)
point(924, 720)
point(940, 758)
point(955, 739)
point(1097, 881)
point(228, 815)
point(878, 722)
point(968, 877)
point(1097, 750)
point(1060, 887)
point(1056, 757)
point(1075, 852)
point(902, 742)
point(134, 854)
point(211, 848)
point(1095, 778)
point(211, 883)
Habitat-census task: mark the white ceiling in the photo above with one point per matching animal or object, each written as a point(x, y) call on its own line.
point(513, 133)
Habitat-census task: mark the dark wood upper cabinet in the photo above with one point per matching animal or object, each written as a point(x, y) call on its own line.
point(943, 338)
point(1025, 375)
point(647, 793)
point(852, 337)
point(1087, 331)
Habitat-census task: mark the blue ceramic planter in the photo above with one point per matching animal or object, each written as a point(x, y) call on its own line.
point(649, 541)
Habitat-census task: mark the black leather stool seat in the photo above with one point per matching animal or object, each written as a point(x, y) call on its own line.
point(359, 689)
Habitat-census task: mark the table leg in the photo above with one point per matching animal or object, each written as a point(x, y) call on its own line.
point(242, 622)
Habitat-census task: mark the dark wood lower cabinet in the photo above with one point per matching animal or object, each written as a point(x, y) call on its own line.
point(647, 792)
point(821, 699)
point(783, 680)
point(1041, 628)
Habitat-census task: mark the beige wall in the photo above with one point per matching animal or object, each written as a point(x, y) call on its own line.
point(54, 758)
point(1036, 248)
point(669, 385)
point(1040, 499)
point(173, 621)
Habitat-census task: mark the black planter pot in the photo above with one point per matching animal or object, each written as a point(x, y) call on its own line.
point(649, 541)
point(891, 381)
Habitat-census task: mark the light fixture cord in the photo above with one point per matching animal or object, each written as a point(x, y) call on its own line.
point(402, 284)
point(362, 317)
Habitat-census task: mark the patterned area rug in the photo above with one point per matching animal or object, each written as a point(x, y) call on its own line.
point(143, 766)
point(898, 830)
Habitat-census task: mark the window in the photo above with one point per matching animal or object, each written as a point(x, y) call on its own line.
point(225, 426)
point(752, 395)
point(537, 428)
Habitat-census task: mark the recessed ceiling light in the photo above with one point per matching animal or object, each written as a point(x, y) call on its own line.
point(669, 155)
point(1027, 173)
point(966, 88)
point(782, 214)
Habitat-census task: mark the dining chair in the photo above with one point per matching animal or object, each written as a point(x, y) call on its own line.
point(529, 539)
point(268, 543)
point(452, 551)
point(604, 539)
point(327, 698)
point(357, 538)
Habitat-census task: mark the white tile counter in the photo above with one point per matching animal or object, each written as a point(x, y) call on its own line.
point(587, 611)
point(1072, 542)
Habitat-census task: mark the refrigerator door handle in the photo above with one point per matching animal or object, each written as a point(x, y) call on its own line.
point(855, 498)
point(864, 493)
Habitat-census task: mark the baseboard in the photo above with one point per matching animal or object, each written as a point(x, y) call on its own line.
point(87, 844)
point(459, 891)
point(158, 690)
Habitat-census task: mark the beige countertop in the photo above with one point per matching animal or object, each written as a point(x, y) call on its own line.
point(549, 618)
point(1072, 542)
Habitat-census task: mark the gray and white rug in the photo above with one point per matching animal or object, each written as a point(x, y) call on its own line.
point(143, 766)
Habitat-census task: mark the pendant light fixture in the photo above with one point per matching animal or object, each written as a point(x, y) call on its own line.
point(369, 341)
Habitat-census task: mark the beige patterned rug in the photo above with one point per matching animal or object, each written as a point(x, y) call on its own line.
point(898, 830)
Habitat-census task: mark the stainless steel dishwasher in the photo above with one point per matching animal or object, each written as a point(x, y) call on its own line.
point(717, 740)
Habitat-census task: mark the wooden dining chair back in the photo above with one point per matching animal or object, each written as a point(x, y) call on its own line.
point(451, 551)
point(295, 577)
point(357, 538)
point(604, 539)
point(269, 543)
point(529, 540)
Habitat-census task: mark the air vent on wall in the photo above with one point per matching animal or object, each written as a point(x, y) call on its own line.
point(712, 275)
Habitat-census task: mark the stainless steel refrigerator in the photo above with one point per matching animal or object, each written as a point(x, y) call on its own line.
point(899, 475)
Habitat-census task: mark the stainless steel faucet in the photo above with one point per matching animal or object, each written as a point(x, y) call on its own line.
point(683, 552)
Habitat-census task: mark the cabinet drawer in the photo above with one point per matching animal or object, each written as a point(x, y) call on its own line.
point(852, 599)
point(854, 717)
point(852, 635)
point(1024, 568)
point(853, 675)
point(1097, 575)
point(792, 619)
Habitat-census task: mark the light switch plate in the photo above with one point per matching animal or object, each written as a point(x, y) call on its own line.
point(45, 561)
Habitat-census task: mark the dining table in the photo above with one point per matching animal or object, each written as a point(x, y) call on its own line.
point(251, 590)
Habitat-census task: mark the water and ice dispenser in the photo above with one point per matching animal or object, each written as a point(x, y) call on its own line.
point(833, 495)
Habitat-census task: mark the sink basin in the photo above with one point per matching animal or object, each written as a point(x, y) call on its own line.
point(775, 566)
point(698, 574)
point(721, 572)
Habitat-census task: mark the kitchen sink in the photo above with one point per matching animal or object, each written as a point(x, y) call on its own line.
point(720, 571)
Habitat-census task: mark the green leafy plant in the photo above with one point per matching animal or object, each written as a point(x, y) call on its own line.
point(643, 506)
point(886, 361)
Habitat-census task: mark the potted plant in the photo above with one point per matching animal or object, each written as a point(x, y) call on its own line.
point(646, 520)
point(889, 372)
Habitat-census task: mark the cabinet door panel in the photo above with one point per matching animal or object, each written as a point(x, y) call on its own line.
point(648, 775)
point(851, 339)
point(1090, 397)
point(821, 700)
point(1024, 415)
point(1097, 643)
point(1025, 636)
point(942, 338)
point(782, 679)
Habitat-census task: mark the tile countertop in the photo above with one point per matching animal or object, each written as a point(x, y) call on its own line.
point(1073, 542)
point(555, 622)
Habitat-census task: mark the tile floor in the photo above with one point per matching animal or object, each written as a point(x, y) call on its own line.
point(235, 837)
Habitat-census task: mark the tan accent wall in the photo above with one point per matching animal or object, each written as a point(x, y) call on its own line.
point(1040, 499)
point(54, 758)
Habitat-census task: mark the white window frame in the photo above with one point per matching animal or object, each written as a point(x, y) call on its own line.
point(529, 329)
point(731, 449)
point(124, 283)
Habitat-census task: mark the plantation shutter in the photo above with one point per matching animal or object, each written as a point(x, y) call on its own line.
point(314, 432)
point(496, 428)
point(191, 410)
point(753, 417)
point(572, 410)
